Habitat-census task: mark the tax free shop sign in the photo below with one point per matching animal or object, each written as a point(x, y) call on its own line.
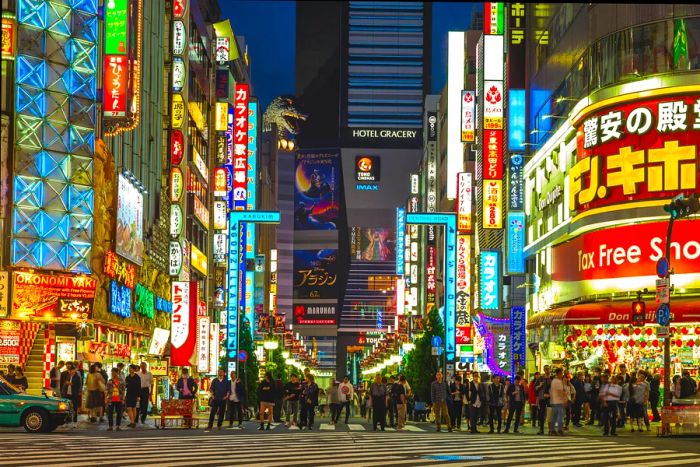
point(621, 259)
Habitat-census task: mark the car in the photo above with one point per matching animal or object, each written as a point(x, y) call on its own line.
point(37, 414)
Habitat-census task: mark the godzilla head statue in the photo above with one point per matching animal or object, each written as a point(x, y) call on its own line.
point(282, 111)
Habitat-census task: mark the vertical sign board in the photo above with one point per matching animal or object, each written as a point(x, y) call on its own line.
point(517, 337)
point(490, 280)
point(449, 221)
point(240, 146)
point(496, 333)
point(516, 183)
point(515, 260)
point(250, 247)
point(400, 237)
point(183, 323)
point(464, 202)
point(468, 116)
point(463, 280)
point(203, 343)
point(116, 63)
point(494, 17)
point(493, 204)
point(213, 348)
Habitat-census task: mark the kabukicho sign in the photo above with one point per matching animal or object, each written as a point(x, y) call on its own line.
point(642, 149)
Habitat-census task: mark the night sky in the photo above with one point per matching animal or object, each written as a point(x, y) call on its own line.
point(269, 28)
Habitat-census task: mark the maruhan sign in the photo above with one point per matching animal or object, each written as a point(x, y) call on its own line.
point(382, 133)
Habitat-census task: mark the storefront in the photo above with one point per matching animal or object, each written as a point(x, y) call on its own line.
point(595, 198)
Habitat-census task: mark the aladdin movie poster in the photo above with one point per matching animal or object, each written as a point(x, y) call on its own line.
point(316, 188)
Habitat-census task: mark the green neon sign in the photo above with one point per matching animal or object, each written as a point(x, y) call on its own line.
point(116, 27)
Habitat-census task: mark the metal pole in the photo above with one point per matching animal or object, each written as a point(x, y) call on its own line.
point(667, 339)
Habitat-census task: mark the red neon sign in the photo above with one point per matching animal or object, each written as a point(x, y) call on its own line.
point(240, 146)
point(115, 74)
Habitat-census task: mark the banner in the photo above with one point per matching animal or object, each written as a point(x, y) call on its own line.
point(315, 274)
point(129, 241)
point(463, 307)
point(184, 323)
point(372, 244)
point(316, 190)
point(44, 296)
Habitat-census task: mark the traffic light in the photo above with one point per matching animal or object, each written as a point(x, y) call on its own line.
point(681, 207)
point(638, 313)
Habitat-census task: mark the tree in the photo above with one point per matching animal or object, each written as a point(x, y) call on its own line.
point(249, 370)
point(420, 365)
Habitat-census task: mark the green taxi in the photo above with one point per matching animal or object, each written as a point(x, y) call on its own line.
point(37, 414)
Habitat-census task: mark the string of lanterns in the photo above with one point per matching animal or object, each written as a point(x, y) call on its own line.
point(631, 337)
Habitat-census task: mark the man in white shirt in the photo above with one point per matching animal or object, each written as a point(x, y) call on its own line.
point(345, 395)
point(146, 383)
point(558, 399)
point(235, 401)
point(609, 395)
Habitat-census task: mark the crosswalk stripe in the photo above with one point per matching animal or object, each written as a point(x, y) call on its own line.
point(327, 427)
point(665, 454)
point(356, 427)
point(414, 428)
point(570, 455)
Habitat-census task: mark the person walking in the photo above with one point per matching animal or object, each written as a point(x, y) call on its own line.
point(474, 399)
point(346, 394)
point(516, 401)
point(532, 399)
point(484, 386)
point(594, 398)
point(399, 393)
point(266, 396)
point(391, 408)
point(235, 401)
point(610, 393)
point(292, 391)
point(438, 398)
point(279, 397)
point(559, 400)
point(334, 401)
point(457, 392)
point(133, 394)
point(378, 394)
point(639, 397)
point(311, 393)
point(55, 376)
point(654, 396)
point(114, 399)
point(96, 386)
point(219, 392)
point(146, 383)
point(579, 399)
point(72, 389)
point(542, 386)
point(496, 399)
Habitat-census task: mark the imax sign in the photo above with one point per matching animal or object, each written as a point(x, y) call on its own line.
point(359, 187)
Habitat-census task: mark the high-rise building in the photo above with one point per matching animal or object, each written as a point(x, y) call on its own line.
point(362, 72)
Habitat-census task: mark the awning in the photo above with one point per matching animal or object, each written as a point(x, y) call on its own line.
point(683, 310)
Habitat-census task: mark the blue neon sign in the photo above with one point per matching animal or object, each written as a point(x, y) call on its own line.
point(120, 299)
point(400, 236)
point(515, 260)
point(516, 119)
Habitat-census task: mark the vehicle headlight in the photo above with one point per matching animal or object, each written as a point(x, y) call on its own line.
point(62, 406)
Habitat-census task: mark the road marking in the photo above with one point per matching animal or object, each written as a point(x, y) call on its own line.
point(414, 428)
point(356, 427)
point(327, 427)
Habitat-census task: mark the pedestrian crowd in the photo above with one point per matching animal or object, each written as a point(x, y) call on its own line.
point(556, 399)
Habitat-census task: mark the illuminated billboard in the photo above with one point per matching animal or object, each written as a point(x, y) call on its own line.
point(183, 326)
point(240, 146)
point(463, 308)
point(638, 150)
point(116, 24)
point(464, 202)
point(44, 296)
point(490, 280)
point(455, 84)
point(315, 274)
point(367, 169)
point(374, 244)
point(493, 204)
point(316, 190)
point(115, 85)
point(468, 116)
point(515, 256)
point(129, 241)
point(493, 155)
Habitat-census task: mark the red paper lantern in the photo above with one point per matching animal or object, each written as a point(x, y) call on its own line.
point(626, 331)
point(594, 343)
point(589, 332)
point(637, 331)
point(643, 344)
point(619, 343)
point(578, 332)
point(606, 344)
point(583, 344)
point(569, 339)
point(679, 343)
point(600, 331)
point(697, 330)
point(684, 331)
point(631, 343)
point(655, 342)
point(612, 332)
point(650, 331)
point(672, 330)
point(691, 343)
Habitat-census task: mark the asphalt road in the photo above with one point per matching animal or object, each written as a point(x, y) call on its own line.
point(341, 445)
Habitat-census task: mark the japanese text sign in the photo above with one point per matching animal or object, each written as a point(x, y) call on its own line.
point(490, 280)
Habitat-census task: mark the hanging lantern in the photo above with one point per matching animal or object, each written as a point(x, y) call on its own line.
point(697, 330)
point(637, 331)
point(643, 344)
point(655, 343)
point(578, 332)
point(631, 343)
point(600, 331)
point(684, 331)
point(583, 344)
point(594, 343)
point(589, 332)
point(650, 331)
point(612, 331)
point(569, 339)
point(619, 344)
point(626, 331)
point(679, 343)
point(690, 343)
point(672, 330)
point(606, 344)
